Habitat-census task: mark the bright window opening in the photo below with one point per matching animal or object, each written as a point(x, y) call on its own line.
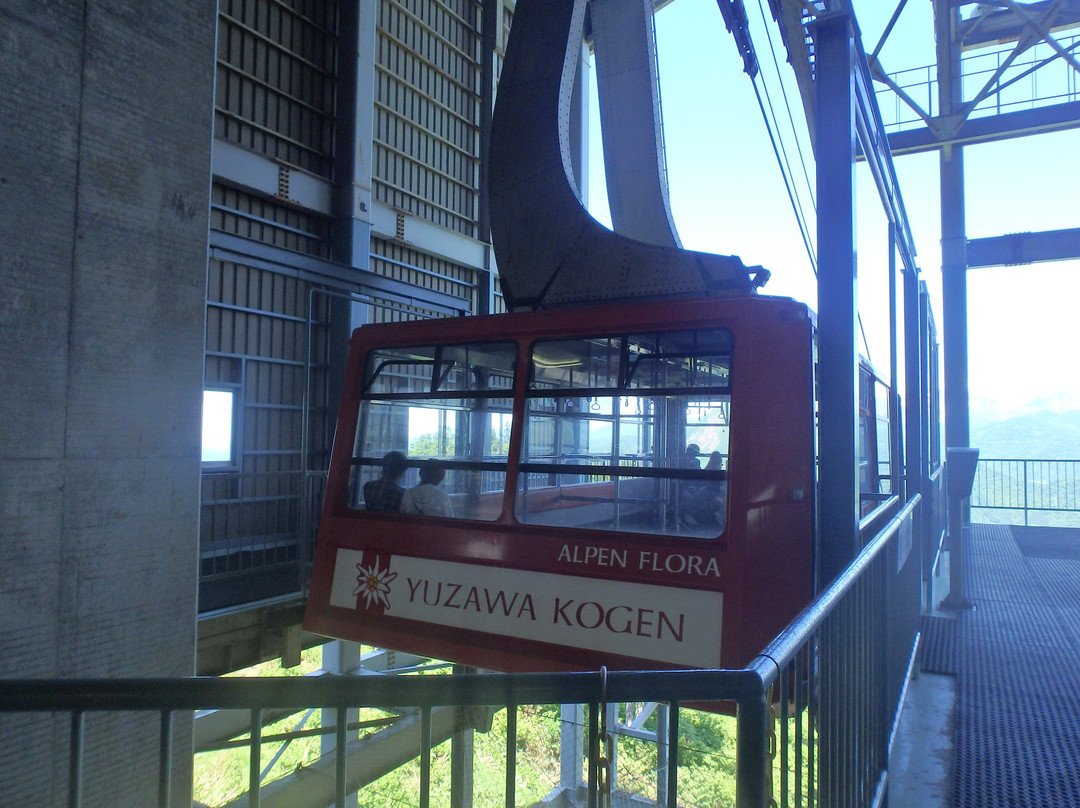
point(217, 426)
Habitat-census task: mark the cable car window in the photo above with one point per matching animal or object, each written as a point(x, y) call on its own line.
point(679, 359)
point(628, 433)
point(576, 363)
point(448, 410)
point(884, 442)
point(471, 367)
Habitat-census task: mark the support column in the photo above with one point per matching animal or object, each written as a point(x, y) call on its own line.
point(571, 745)
point(838, 506)
point(954, 312)
point(356, 105)
point(915, 461)
point(341, 658)
point(462, 759)
point(954, 296)
point(953, 286)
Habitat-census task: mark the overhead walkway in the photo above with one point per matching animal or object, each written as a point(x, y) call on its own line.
point(1015, 659)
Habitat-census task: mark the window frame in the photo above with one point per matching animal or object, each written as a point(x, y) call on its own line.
point(232, 463)
point(624, 387)
point(436, 396)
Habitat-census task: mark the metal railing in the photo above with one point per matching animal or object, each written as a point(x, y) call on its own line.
point(814, 712)
point(1037, 78)
point(1021, 487)
point(256, 536)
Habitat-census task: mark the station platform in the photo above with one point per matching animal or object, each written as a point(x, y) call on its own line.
point(993, 718)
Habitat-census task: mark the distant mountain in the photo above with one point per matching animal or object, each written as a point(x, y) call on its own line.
point(1041, 435)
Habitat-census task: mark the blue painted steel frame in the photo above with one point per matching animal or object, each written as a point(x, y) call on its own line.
point(1023, 248)
point(838, 509)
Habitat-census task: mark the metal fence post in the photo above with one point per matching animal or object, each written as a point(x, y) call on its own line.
point(752, 752)
point(75, 760)
point(165, 752)
point(341, 747)
point(1025, 492)
point(255, 758)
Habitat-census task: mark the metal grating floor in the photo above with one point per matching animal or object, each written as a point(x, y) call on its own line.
point(1016, 656)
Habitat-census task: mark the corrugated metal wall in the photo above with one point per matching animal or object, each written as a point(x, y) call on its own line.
point(276, 79)
point(271, 222)
point(275, 334)
point(260, 334)
point(275, 96)
point(427, 110)
point(405, 263)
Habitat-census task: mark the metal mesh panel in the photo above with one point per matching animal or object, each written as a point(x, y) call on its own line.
point(264, 343)
point(427, 111)
point(276, 79)
point(400, 262)
point(498, 304)
point(264, 220)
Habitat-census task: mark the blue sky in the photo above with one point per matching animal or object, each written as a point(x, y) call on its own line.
point(728, 196)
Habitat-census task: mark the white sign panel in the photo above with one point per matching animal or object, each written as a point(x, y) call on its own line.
point(661, 623)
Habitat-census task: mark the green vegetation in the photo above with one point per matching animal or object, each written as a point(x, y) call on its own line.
point(222, 776)
point(706, 765)
point(1031, 436)
point(426, 445)
point(434, 444)
point(1048, 490)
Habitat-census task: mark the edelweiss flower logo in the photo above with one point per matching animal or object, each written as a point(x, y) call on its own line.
point(374, 584)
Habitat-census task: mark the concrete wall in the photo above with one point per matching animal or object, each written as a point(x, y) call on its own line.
point(105, 131)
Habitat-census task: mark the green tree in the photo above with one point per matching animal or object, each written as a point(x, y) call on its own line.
point(427, 445)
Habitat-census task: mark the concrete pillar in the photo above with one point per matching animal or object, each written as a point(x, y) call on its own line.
point(104, 214)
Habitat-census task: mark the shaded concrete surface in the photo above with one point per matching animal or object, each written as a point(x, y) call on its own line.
point(920, 761)
point(923, 751)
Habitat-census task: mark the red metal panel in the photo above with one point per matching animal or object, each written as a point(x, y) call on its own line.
point(508, 596)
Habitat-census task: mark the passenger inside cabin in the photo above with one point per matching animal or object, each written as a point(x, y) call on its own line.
point(712, 495)
point(689, 460)
point(687, 497)
point(385, 493)
point(427, 499)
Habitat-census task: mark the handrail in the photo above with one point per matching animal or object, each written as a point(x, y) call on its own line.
point(799, 687)
point(157, 694)
point(1017, 484)
point(783, 648)
point(877, 515)
point(331, 690)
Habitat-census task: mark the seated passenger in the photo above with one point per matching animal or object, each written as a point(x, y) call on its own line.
point(689, 459)
point(687, 489)
point(385, 493)
point(427, 499)
point(712, 495)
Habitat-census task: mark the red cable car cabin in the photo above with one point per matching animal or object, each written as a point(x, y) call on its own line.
point(583, 533)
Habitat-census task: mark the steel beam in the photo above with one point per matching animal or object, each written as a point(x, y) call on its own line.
point(353, 136)
point(834, 40)
point(550, 250)
point(991, 128)
point(1023, 248)
point(628, 91)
